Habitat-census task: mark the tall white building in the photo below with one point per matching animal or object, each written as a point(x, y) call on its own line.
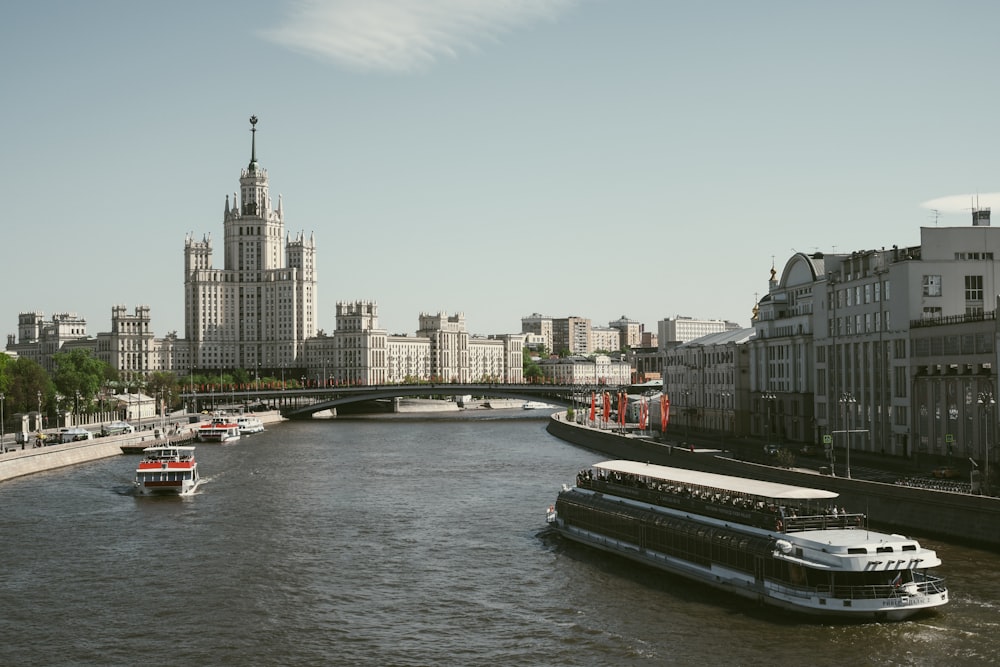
point(631, 332)
point(257, 311)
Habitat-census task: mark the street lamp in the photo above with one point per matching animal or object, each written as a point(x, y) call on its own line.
point(769, 398)
point(2, 397)
point(987, 401)
point(846, 400)
point(725, 396)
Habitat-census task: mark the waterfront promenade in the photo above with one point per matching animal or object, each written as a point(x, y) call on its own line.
point(31, 459)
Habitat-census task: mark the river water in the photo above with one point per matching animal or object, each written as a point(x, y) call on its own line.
point(395, 541)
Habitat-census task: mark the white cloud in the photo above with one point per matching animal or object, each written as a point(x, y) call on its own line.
point(403, 35)
point(963, 203)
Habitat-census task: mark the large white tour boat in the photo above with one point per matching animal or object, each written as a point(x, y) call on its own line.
point(220, 429)
point(167, 470)
point(787, 546)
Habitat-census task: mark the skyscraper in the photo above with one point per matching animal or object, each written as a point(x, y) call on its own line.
point(257, 311)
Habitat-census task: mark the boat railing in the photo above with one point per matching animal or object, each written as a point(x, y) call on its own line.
point(794, 524)
point(928, 585)
point(743, 509)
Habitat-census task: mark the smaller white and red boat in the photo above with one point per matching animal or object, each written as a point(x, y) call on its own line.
point(220, 429)
point(167, 470)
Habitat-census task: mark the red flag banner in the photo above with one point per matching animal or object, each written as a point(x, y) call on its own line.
point(593, 406)
point(664, 411)
point(607, 407)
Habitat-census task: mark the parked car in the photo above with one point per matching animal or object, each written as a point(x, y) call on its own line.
point(809, 450)
point(772, 450)
point(945, 472)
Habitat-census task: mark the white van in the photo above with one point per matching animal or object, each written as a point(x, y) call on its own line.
point(74, 434)
point(117, 428)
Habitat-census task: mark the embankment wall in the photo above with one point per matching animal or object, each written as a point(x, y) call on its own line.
point(32, 460)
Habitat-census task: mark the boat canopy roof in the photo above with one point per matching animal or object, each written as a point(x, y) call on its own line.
point(711, 480)
point(159, 449)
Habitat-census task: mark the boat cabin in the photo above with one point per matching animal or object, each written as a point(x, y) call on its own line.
point(769, 505)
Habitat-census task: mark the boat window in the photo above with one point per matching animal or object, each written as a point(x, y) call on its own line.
point(909, 547)
point(883, 550)
point(857, 550)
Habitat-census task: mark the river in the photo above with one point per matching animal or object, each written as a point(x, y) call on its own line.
point(395, 541)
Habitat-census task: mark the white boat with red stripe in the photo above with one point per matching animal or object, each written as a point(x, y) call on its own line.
point(167, 470)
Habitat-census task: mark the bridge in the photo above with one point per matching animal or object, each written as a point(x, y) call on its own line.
point(302, 403)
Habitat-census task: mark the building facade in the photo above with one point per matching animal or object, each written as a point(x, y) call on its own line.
point(360, 352)
point(600, 370)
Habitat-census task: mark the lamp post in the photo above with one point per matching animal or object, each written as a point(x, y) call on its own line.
point(846, 401)
point(725, 396)
point(2, 398)
point(687, 414)
point(987, 402)
point(40, 425)
point(76, 408)
point(769, 398)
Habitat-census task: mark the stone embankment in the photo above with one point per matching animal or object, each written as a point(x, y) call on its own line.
point(27, 461)
point(963, 517)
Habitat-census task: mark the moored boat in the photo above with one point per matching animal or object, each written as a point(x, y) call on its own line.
point(167, 470)
point(249, 424)
point(786, 546)
point(220, 429)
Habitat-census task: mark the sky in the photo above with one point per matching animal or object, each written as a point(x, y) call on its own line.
point(497, 158)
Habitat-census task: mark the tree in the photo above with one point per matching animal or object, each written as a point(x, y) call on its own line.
point(530, 369)
point(26, 381)
point(164, 385)
point(78, 372)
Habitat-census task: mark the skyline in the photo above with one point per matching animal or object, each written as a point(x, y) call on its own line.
point(562, 157)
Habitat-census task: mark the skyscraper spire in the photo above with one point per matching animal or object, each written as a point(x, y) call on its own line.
point(253, 145)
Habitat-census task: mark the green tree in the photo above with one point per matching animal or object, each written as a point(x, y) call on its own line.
point(165, 385)
point(78, 372)
point(26, 382)
point(531, 370)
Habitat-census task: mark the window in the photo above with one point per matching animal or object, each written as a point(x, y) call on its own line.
point(932, 286)
point(973, 288)
point(932, 312)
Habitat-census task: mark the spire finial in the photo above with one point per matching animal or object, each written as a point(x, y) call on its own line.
point(253, 142)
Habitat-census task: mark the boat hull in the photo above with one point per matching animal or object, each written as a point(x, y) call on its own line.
point(900, 609)
point(167, 488)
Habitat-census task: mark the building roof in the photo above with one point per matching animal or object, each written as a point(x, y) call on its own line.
point(736, 336)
